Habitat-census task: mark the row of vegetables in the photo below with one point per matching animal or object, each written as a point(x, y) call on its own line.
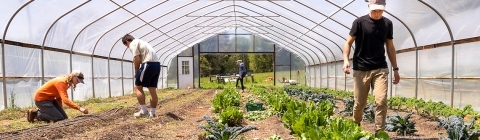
point(460, 124)
point(308, 113)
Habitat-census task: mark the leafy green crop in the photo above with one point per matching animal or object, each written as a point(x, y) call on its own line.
point(338, 129)
point(226, 133)
point(457, 129)
point(228, 97)
point(369, 113)
point(259, 115)
point(348, 106)
point(401, 125)
point(231, 115)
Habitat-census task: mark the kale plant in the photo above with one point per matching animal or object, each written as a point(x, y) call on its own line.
point(401, 125)
point(369, 113)
point(457, 129)
point(227, 133)
point(348, 107)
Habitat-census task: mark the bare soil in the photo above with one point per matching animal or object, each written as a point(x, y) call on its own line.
point(427, 129)
point(178, 118)
point(267, 127)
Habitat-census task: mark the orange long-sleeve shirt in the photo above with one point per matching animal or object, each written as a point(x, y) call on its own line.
point(55, 89)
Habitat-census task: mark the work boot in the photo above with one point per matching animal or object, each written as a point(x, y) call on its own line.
point(32, 114)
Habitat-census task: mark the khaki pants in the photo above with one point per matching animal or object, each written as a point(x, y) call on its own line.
point(377, 79)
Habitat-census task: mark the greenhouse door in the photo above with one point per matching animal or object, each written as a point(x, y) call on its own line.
point(185, 72)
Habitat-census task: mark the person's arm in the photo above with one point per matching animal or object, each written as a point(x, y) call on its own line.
point(62, 90)
point(137, 60)
point(136, 63)
point(393, 59)
point(391, 53)
point(244, 69)
point(346, 53)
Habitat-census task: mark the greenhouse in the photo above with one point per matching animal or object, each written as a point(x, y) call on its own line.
point(285, 45)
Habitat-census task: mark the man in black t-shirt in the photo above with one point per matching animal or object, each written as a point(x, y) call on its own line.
point(371, 33)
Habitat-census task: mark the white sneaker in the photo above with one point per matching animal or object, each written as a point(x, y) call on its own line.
point(140, 114)
point(152, 115)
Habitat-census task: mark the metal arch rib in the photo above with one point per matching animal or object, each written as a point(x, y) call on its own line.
point(301, 16)
point(242, 7)
point(45, 38)
point(195, 24)
point(240, 21)
point(191, 21)
point(180, 48)
point(272, 38)
point(190, 38)
point(287, 33)
point(453, 50)
point(416, 52)
point(109, 85)
point(277, 21)
point(281, 24)
point(3, 52)
point(73, 44)
point(146, 23)
point(328, 17)
point(222, 14)
point(286, 41)
point(181, 24)
point(94, 48)
point(190, 32)
point(164, 33)
point(247, 23)
point(342, 7)
point(301, 24)
point(96, 43)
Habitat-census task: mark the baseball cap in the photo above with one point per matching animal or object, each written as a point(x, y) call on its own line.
point(79, 75)
point(376, 4)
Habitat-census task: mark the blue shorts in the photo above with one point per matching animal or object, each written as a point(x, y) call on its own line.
point(148, 74)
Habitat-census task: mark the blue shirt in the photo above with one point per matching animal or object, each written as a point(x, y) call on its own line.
point(241, 69)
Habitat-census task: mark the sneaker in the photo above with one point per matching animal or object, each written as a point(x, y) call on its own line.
point(31, 115)
point(140, 114)
point(152, 116)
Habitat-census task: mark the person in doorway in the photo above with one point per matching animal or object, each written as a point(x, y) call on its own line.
point(242, 72)
point(370, 33)
point(147, 71)
point(51, 95)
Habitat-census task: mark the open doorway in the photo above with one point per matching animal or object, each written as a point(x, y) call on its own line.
point(220, 69)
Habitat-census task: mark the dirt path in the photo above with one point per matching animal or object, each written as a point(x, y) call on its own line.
point(170, 124)
point(427, 129)
point(108, 122)
point(267, 127)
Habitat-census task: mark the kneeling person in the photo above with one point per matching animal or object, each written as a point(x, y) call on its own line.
point(51, 95)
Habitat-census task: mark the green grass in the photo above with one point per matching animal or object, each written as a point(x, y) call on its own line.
point(259, 79)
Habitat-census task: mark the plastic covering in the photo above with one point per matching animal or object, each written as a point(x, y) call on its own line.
point(86, 35)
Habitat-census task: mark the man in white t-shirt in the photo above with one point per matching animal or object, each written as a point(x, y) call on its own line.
point(147, 71)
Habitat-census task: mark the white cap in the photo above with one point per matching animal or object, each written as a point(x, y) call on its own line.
point(79, 75)
point(376, 4)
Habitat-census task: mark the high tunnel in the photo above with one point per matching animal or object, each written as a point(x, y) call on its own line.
point(434, 40)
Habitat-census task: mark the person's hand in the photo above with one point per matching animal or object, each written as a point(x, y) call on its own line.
point(346, 67)
point(84, 111)
point(396, 76)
